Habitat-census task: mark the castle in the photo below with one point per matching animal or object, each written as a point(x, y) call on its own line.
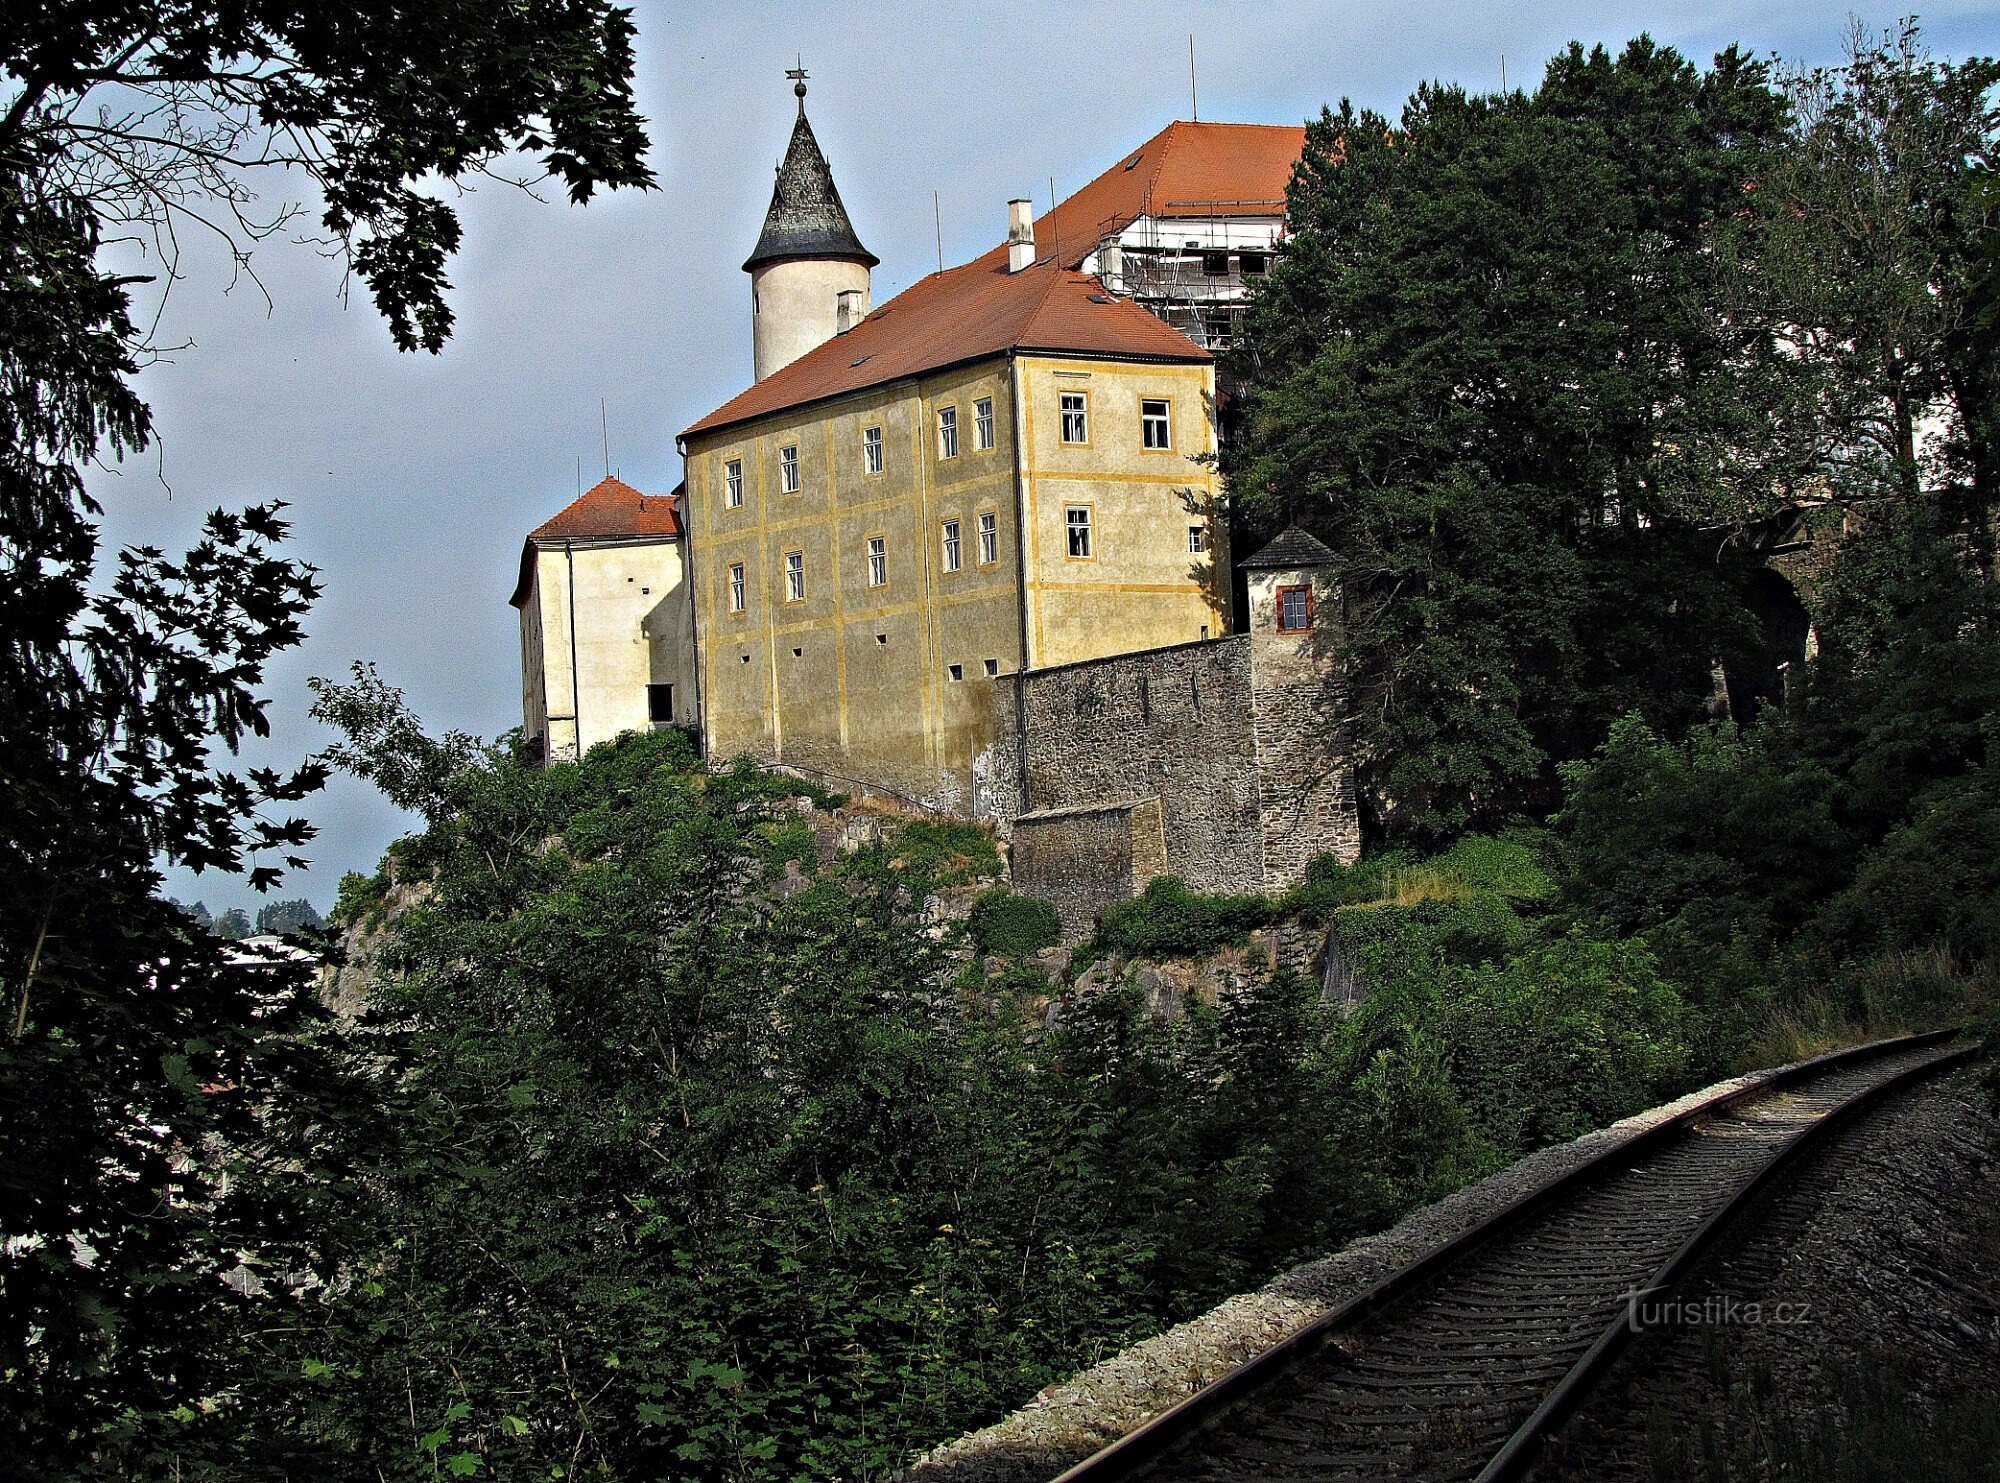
point(967, 550)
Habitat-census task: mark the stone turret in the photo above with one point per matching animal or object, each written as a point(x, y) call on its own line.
point(1305, 778)
point(809, 274)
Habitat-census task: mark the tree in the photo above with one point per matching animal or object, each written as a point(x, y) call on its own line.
point(1873, 260)
point(1492, 372)
point(131, 1039)
point(288, 916)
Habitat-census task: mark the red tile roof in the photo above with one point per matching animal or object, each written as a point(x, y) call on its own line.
point(980, 309)
point(1186, 169)
point(608, 510)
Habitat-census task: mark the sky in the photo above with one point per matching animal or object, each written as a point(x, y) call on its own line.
point(413, 479)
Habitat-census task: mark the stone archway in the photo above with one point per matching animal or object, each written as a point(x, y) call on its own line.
point(1788, 641)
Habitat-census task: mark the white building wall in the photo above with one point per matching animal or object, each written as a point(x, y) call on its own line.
point(630, 626)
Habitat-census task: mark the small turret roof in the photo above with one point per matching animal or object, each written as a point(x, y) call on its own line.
point(1291, 547)
point(806, 218)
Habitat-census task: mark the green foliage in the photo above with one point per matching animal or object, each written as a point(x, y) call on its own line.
point(298, 915)
point(1737, 832)
point(938, 853)
point(1510, 865)
point(165, 1107)
point(1008, 923)
point(824, 1215)
point(1496, 370)
point(1167, 920)
point(1933, 882)
point(361, 899)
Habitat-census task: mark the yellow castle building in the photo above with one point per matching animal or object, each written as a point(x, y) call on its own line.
point(967, 549)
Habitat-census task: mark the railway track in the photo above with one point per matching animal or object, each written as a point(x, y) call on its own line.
point(1456, 1366)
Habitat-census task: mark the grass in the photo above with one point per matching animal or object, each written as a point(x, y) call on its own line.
point(1891, 993)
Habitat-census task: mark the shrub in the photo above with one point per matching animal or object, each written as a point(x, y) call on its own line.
point(361, 898)
point(1167, 920)
point(1508, 864)
point(1013, 925)
point(1385, 946)
point(1563, 1037)
point(1935, 880)
point(937, 853)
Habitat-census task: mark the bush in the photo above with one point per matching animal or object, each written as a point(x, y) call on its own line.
point(937, 853)
point(1935, 881)
point(1411, 946)
point(361, 899)
point(1167, 920)
point(1013, 925)
point(1509, 864)
point(1565, 1036)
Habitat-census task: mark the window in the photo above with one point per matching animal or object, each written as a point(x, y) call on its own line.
point(992, 668)
point(982, 423)
point(736, 587)
point(989, 538)
point(660, 704)
point(871, 450)
point(1197, 540)
point(1295, 609)
point(1156, 423)
point(1077, 519)
point(795, 576)
point(732, 484)
point(1215, 264)
point(878, 561)
point(953, 557)
point(1215, 329)
point(947, 432)
point(957, 671)
point(788, 468)
point(1255, 264)
point(1076, 417)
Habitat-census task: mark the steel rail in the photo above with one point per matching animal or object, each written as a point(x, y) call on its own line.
point(1129, 1456)
point(1523, 1447)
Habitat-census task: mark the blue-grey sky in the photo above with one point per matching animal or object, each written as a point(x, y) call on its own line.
point(414, 478)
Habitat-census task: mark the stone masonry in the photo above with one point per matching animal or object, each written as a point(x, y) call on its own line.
point(1168, 724)
point(1085, 859)
point(1305, 775)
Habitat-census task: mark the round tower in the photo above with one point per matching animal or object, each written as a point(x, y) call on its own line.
point(809, 274)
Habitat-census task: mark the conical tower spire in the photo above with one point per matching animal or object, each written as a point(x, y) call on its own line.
point(806, 219)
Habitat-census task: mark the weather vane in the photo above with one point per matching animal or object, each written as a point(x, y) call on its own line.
point(798, 76)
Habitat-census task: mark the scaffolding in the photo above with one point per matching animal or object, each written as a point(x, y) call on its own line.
point(1190, 262)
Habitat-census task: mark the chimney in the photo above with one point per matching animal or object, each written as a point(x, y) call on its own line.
point(849, 309)
point(1020, 235)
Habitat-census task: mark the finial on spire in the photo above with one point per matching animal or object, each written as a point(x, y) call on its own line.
point(798, 76)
